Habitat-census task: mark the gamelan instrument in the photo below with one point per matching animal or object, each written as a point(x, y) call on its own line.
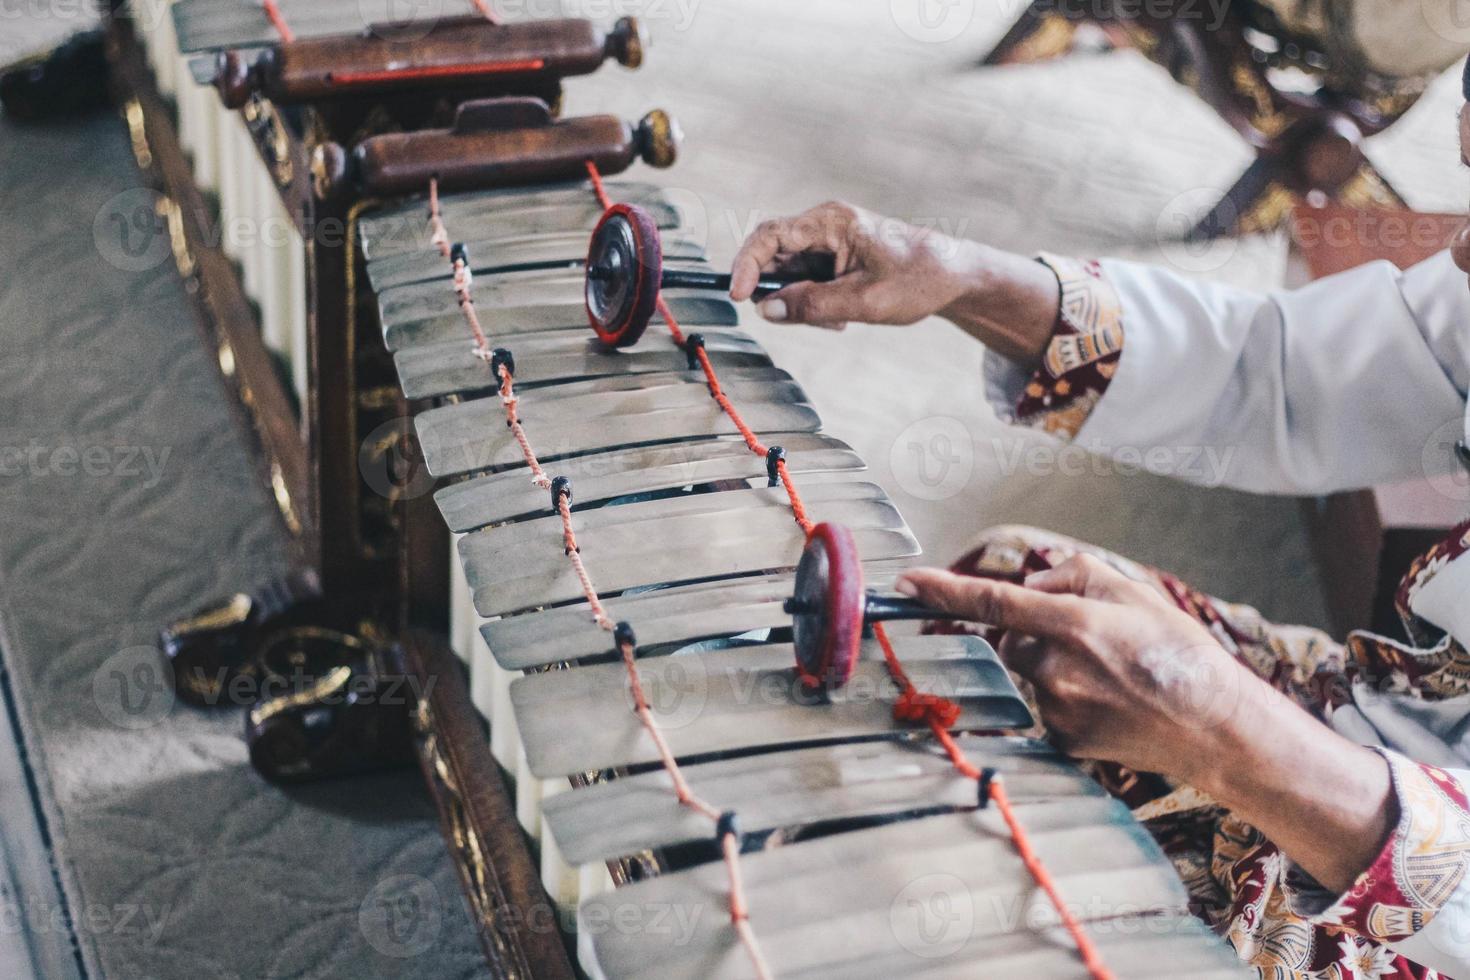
point(642, 564)
point(634, 545)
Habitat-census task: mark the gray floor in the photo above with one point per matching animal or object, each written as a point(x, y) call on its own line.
point(174, 859)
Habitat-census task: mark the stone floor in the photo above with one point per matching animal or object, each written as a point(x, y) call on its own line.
point(136, 842)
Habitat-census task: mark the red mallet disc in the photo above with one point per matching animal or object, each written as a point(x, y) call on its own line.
point(624, 271)
point(827, 616)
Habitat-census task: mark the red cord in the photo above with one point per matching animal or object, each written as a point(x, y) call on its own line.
point(437, 71)
point(440, 237)
point(278, 21)
point(935, 712)
point(513, 421)
point(912, 705)
point(597, 187)
point(462, 281)
point(729, 846)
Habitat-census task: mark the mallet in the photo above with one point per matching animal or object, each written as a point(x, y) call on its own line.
point(625, 273)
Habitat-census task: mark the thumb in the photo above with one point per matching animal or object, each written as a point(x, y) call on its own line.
point(999, 604)
point(821, 304)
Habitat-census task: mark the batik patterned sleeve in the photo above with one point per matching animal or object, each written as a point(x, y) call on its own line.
point(1079, 360)
point(1415, 896)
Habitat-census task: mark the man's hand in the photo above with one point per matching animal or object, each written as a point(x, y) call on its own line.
point(886, 271)
point(1119, 673)
point(895, 273)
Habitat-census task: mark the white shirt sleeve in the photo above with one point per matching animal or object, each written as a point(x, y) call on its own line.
point(1352, 381)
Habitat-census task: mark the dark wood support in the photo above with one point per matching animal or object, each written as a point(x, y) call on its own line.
point(469, 53)
point(495, 143)
point(516, 918)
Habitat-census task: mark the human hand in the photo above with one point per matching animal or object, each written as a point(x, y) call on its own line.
point(1119, 672)
point(887, 271)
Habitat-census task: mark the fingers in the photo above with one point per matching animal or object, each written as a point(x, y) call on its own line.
point(825, 228)
point(1000, 604)
point(821, 304)
point(1090, 577)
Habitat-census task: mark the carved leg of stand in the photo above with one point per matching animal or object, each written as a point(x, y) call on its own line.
point(1040, 35)
point(67, 80)
point(216, 649)
point(515, 917)
point(1317, 160)
point(331, 704)
point(1240, 200)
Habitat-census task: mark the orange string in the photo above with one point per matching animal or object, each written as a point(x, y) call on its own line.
point(462, 281)
point(574, 554)
point(739, 917)
point(483, 6)
point(440, 237)
point(729, 847)
point(597, 188)
point(278, 21)
point(1091, 958)
point(912, 705)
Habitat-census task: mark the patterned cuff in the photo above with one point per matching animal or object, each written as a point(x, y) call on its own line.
point(1422, 864)
point(1083, 353)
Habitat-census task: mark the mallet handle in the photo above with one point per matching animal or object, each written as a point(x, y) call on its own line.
point(880, 608)
point(692, 279)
